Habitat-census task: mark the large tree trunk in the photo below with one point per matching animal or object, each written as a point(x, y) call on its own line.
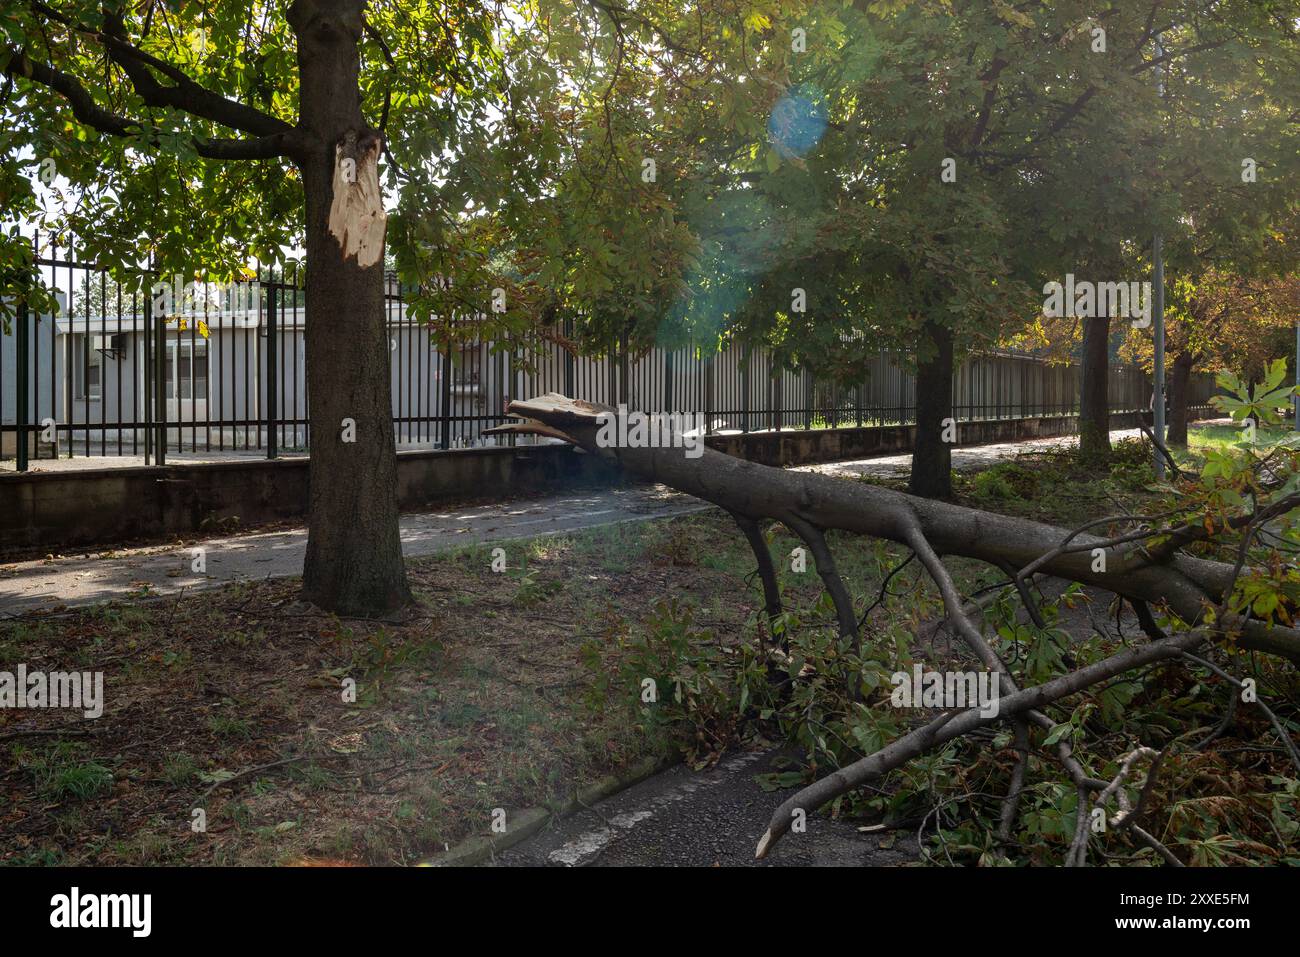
point(1094, 390)
point(1179, 383)
point(931, 456)
point(354, 558)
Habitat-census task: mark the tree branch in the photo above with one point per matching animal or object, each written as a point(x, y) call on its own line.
point(948, 727)
point(848, 619)
point(187, 95)
point(1181, 583)
point(84, 107)
point(91, 114)
point(766, 570)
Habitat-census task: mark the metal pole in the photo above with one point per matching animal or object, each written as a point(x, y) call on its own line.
point(272, 373)
point(1158, 365)
point(444, 438)
point(160, 381)
point(24, 414)
point(1158, 370)
point(744, 385)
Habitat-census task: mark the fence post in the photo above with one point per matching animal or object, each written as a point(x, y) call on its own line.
point(668, 380)
point(146, 358)
point(568, 358)
point(708, 393)
point(272, 373)
point(159, 381)
point(746, 354)
point(23, 413)
point(444, 426)
point(623, 386)
point(774, 414)
point(611, 373)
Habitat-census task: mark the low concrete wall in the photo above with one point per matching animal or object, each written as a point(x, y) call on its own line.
point(58, 510)
point(99, 506)
point(830, 445)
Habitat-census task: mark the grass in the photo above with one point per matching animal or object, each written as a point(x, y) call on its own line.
point(1054, 487)
point(1202, 438)
point(61, 771)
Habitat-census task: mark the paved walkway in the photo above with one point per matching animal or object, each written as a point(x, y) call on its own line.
point(685, 818)
point(31, 585)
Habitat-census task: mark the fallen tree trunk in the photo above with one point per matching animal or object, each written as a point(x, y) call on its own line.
point(810, 504)
point(1182, 583)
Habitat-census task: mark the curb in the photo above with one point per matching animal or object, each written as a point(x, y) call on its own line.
point(476, 850)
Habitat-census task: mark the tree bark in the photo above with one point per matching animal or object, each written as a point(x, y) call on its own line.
point(1179, 384)
point(931, 456)
point(1094, 390)
point(354, 561)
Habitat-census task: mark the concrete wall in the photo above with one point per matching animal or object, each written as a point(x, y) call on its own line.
point(100, 506)
point(830, 445)
point(94, 507)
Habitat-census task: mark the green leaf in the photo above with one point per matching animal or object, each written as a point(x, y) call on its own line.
point(1057, 733)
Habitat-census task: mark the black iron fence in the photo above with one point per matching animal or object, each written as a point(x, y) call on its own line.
point(164, 366)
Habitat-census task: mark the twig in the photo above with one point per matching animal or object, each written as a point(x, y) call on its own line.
point(276, 764)
point(1150, 841)
point(1160, 447)
point(1217, 733)
point(1011, 803)
point(1277, 725)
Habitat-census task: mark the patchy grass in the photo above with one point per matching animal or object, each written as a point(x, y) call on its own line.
point(1054, 486)
point(1203, 438)
point(232, 701)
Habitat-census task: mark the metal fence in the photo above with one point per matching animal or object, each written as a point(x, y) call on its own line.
point(223, 370)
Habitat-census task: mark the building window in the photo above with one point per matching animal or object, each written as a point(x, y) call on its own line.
point(190, 378)
point(90, 368)
point(467, 371)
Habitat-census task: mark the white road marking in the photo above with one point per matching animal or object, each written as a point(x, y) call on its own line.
point(587, 847)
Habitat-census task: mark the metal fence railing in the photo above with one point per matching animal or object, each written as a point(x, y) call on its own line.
point(130, 371)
